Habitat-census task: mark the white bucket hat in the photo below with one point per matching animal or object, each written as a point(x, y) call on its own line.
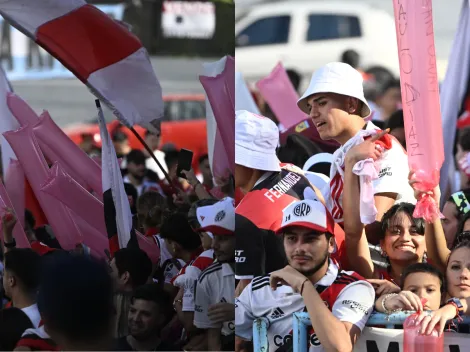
point(339, 78)
point(256, 140)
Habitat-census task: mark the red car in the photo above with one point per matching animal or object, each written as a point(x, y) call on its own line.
point(183, 125)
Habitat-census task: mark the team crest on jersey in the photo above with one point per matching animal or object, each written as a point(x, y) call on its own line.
point(301, 127)
point(220, 216)
point(202, 218)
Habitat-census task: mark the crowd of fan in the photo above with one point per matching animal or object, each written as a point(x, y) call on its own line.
point(54, 299)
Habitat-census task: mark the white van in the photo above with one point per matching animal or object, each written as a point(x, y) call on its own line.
point(305, 35)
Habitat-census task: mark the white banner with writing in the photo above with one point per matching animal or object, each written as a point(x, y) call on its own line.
point(188, 19)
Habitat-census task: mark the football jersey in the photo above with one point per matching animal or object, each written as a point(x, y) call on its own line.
point(259, 214)
point(215, 285)
point(167, 264)
point(393, 173)
point(349, 297)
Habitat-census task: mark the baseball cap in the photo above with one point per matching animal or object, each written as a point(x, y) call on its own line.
point(308, 214)
point(256, 140)
point(218, 219)
point(339, 78)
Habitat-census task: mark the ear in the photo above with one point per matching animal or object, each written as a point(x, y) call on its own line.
point(125, 277)
point(12, 281)
point(352, 105)
point(331, 245)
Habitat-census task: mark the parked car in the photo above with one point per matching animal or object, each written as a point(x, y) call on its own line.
point(183, 125)
point(305, 35)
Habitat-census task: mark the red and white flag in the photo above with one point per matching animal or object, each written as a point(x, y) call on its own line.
point(100, 51)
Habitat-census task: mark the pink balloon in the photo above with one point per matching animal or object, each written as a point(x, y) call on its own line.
point(69, 192)
point(149, 246)
point(420, 94)
point(26, 148)
point(15, 187)
point(93, 238)
point(21, 110)
point(74, 160)
point(18, 231)
point(220, 91)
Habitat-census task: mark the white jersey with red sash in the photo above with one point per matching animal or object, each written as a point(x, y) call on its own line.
point(347, 295)
point(392, 169)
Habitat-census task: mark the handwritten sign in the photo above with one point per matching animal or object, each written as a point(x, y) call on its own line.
point(419, 88)
point(22, 58)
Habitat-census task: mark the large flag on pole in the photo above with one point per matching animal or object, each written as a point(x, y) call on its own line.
point(453, 91)
point(118, 214)
point(101, 52)
point(7, 121)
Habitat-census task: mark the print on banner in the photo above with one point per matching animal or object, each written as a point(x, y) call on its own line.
point(22, 58)
point(188, 19)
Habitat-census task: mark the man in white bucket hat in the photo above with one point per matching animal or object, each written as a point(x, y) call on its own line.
point(335, 102)
point(269, 187)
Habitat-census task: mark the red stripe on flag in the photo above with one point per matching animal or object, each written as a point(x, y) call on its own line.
point(86, 40)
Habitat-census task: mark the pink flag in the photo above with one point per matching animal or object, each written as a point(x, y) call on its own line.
point(281, 96)
point(219, 83)
point(420, 97)
point(7, 121)
point(101, 52)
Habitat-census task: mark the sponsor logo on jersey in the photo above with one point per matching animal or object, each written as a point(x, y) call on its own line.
point(239, 257)
point(277, 313)
point(198, 308)
point(387, 171)
point(301, 127)
point(355, 305)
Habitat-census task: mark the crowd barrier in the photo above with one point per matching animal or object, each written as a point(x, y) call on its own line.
point(371, 340)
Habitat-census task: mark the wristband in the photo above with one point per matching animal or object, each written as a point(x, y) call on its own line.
point(10, 244)
point(388, 312)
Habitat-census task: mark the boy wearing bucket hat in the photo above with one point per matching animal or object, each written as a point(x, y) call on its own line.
point(215, 290)
point(335, 102)
point(336, 300)
point(269, 187)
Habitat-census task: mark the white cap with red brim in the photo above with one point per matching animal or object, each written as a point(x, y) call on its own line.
point(219, 218)
point(307, 214)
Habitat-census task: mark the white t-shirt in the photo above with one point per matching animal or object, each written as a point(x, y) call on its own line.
point(393, 173)
point(215, 285)
point(353, 304)
point(33, 314)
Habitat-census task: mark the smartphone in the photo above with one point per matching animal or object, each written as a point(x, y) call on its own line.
point(185, 160)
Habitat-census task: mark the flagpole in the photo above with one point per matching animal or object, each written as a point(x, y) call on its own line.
point(100, 111)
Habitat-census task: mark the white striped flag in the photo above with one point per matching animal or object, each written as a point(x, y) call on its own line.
point(99, 51)
point(119, 221)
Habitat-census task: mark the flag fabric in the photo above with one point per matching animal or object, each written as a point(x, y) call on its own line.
point(218, 154)
point(453, 91)
point(98, 50)
point(118, 216)
point(7, 121)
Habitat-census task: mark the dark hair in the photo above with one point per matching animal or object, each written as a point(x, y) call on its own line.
point(24, 263)
point(464, 139)
point(13, 323)
point(396, 120)
point(171, 158)
point(155, 293)
point(176, 228)
point(119, 136)
point(294, 78)
point(297, 150)
point(460, 230)
point(386, 85)
point(29, 219)
point(423, 268)
point(136, 156)
point(136, 262)
point(202, 158)
point(192, 215)
point(155, 204)
point(380, 73)
point(76, 297)
point(406, 208)
point(351, 58)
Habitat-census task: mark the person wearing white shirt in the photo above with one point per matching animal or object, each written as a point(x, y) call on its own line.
point(335, 102)
point(335, 300)
point(21, 280)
